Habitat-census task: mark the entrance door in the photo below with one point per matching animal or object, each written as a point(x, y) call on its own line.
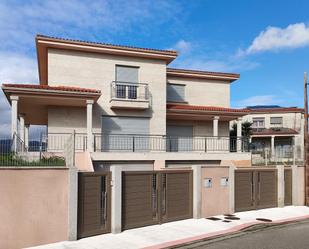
point(94, 203)
point(287, 187)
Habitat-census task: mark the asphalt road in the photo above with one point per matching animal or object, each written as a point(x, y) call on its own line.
point(289, 236)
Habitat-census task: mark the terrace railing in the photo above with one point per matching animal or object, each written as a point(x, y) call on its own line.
point(144, 143)
point(129, 91)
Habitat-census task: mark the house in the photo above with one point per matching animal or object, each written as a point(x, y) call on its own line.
point(148, 143)
point(279, 130)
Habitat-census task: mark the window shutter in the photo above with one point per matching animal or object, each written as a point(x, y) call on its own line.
point(175, 92)
point(127, 74)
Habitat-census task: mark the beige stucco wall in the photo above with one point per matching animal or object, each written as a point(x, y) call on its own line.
point(204, 91)
point(97, 71)
point(215, 200)
point(33, 207)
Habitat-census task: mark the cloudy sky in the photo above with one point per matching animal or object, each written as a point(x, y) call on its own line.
point(266, 42)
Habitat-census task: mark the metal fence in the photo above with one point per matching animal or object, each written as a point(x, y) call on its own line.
point(14, 152)
point(129, 90)
point(144, 143)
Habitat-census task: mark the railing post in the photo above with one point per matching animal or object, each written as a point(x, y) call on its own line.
point(94, 143)
point(133, 141)
point(41, 145)
point(205, 144)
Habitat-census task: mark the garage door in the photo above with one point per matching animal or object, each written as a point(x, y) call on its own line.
point(255, 189)
point(93, 204)
point(155, 197)
point(125, 133)
point(139, 199)
point(288, 187)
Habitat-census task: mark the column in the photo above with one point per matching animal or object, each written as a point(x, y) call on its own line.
point(22, 127)
point(272, 147)
point(232, 169)
point(215, 126)
point(239, 134)
point(116, 224)
point(27, 136)
point(197, 190)
point(280, 185)
point(14, 117)
point(89, 125)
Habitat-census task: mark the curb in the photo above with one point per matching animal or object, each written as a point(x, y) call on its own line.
point(233, 230)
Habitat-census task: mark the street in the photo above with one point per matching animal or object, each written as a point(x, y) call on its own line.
point(288, 236)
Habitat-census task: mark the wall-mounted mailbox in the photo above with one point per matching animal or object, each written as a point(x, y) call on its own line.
point(207, 182)
point(224, 181)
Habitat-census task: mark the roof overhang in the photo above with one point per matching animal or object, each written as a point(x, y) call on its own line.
point(275, 110)
point(189, 112)
point(34, 103)
point(185, 73)
point(43, 43)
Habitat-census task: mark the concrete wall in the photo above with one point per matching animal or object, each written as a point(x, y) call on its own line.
point(215, 200)
point(33, 207)
point(97, 71)
point(204, 91)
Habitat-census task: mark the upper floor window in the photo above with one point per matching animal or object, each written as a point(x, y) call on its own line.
point(276, 121)
point(126, 82)
point(258, 123)
point(175, 93)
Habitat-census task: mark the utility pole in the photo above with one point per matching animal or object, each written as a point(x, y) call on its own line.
point(306, 141)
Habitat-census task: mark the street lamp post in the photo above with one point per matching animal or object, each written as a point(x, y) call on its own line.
point(306, 141)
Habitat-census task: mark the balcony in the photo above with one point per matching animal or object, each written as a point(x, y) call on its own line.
point(126, 95)
point(156, 143)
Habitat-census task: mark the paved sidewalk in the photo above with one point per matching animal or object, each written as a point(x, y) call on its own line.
point(173, 233)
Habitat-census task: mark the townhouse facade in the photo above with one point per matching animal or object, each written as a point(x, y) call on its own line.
point(279, 130)
point(141, 143)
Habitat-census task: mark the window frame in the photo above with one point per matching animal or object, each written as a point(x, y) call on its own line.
point(176, 100)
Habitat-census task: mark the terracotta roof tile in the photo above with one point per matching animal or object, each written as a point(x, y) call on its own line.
point(107, 44)
point(275, 110)
point(274, 131)
point(204, 108)
point(191, 71)
point(53, 88)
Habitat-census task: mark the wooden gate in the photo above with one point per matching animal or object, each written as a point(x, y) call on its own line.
point(154, 197)
point(94, 203)
point(287, 186)
point(255, 189)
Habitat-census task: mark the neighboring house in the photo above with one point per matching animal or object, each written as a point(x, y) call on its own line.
point(124, 102)
point(280, 130)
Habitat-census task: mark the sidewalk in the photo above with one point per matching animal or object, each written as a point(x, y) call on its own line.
point(178, 232)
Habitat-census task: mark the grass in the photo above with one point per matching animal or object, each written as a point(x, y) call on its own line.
point(11, 159)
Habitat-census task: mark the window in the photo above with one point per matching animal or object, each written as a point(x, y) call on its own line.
point(175, 93)
point(258, 123)
point(277, 121)
point(126, 82)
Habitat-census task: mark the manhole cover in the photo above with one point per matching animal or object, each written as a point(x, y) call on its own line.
point(264, 219)
point(213, 218)
point(232, 218)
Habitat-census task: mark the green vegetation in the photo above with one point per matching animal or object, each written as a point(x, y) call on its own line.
point(11, 159)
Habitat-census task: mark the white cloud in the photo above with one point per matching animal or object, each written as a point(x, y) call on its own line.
point(182, 46)
point(274, 38)
point(258, 100)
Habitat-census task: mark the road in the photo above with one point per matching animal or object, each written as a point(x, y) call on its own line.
point(289, 236)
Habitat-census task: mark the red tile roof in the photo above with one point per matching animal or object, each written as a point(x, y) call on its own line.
point(204, 108)
point(275, 131)
point(52, 88)
point(172, 52)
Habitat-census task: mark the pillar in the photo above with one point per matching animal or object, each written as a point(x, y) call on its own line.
point(272, 147)
point(280, 185)
point(89, 126)
point(295, 185)
point(197, 191)
point(73, 202)
point(232, 169)
point(116, 199)
point(215, 126)
point(22, 127)
point(27, 136)
point(239, 134)
point(14, 117)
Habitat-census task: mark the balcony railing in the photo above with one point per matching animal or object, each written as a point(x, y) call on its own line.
point(129, 91)
point(152, 143)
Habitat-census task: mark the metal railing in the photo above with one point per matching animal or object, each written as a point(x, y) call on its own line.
point(14, 152)
point(148, 143)
point(129, 91)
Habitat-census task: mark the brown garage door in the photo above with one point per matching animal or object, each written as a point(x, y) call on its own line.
point(287, 187)
point(93, 204)
point(176, 197)
point(255, 189)
point(155, 197)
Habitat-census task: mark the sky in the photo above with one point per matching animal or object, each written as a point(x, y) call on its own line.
point(267, 42)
